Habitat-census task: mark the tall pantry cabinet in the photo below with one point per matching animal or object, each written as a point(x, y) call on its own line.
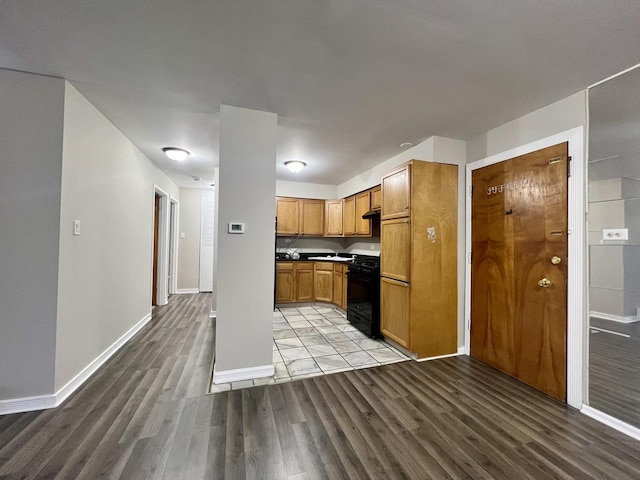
point(418, 257)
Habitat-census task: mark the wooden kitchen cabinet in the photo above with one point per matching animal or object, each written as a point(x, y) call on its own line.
point(418, 258)
point(363, 205)
point(349, 216)
point(333, 218)
point(311, 217)
point(288, 216)
point(285, 285)
point(323, 281)
point(337, 285)
point(396, 193)
point(300, 216)
point(376, 197)
point(304, 281)
point(395, 249)
point(395, 307)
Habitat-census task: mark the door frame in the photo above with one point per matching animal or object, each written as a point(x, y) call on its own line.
point(576, 284)
point(163, 247)
point(174, 213)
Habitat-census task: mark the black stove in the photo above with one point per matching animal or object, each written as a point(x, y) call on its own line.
point(363, 295)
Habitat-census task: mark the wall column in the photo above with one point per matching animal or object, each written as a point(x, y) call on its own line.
point(246, 261)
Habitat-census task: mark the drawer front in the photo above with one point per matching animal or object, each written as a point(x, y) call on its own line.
point(324, 266)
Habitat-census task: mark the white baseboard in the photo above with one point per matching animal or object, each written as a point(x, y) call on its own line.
point(187, 290)
point(28, 404)
point(614, 318)
point(227, 376)
point(611, 421)
point(458, 353)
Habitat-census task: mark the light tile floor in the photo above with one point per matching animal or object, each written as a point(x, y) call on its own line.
point(317, 340)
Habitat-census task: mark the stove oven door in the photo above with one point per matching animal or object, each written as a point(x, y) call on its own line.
point(363, 299)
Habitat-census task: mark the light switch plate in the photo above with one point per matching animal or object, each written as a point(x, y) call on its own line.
point(615, 234)
point(76, 227)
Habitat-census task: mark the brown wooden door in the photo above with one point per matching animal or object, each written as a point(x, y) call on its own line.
point(519, 224)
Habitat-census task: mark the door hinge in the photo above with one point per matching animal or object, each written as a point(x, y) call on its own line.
point(568, 166)
point(471, 190)
point(469, 258)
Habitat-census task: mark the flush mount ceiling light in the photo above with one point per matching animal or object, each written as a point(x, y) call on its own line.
point(406, 145)
point(177, 154)
point(295, 165)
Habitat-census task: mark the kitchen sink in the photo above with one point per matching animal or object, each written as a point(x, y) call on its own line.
point(332, 259)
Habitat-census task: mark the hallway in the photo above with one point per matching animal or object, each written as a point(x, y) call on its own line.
point(144, 415)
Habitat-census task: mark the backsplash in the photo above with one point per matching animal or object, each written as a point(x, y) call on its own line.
point(354, 246)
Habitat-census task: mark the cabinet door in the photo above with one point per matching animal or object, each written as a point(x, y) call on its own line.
point(349, 216)
point(285, 287)
point(312, 217)
point(395, 303)
point(396, 194)
point(333, 218)
point(376, 197)
point(304, 282)
point(337, 285)
point(288, 215)
point(363, 205)
point(324, 285)
point(395, 249)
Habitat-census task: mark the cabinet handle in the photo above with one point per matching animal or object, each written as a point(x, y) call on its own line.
point(406, 207)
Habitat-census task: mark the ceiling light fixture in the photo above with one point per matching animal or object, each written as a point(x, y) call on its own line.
point(406, 145)
point(177, 154)
point(295, 165)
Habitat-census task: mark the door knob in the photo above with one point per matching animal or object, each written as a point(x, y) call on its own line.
point(556, 260)
point(544, 283)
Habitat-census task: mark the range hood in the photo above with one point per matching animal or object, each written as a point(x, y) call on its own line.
point(372, 214)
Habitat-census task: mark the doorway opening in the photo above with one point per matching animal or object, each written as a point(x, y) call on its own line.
point(162, 221)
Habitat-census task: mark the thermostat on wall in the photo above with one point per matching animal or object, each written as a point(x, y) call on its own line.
point(236, 227)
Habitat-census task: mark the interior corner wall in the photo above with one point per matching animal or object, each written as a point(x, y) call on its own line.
point(31, 125)
point(189, 246)
point(105, 273)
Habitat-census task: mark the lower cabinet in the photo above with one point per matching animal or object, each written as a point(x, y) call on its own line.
point(395, 311)
point(311, 281)
point(304, 281)
point(324, 281)
point(285, 285)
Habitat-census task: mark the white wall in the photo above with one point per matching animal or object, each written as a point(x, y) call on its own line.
point(565, 114)
point(245, 262)
point(31, 123)
point(105, 274)
point(306, 190)
point(189, 246)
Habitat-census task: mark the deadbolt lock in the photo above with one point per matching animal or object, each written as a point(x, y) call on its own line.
point(544, 283)
point(556, 260)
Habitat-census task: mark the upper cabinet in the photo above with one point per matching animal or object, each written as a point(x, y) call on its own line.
point(396, 200)
point(329, 218)
point(376, 198)
point(299, 216)
point(288, 215)
point(363, 205)
point(349, 216)
point(312, 217)
point(333, 218)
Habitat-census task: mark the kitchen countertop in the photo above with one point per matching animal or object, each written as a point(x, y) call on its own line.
point(306, 257)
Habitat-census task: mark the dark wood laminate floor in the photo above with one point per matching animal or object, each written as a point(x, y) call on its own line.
point(145, 416)
point(614, 370)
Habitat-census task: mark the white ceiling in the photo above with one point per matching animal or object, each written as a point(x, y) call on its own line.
point(349, 79)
